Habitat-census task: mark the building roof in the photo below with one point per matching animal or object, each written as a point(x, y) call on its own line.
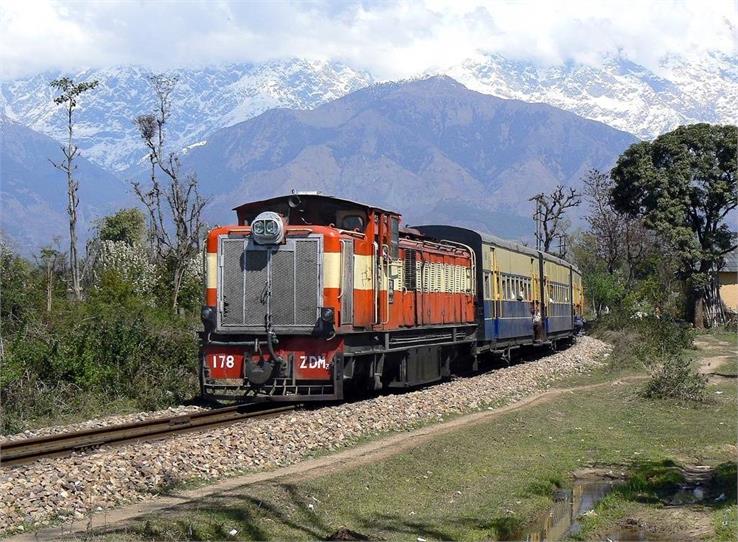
point(730, 260)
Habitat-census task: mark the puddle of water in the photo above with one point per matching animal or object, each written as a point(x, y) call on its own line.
point(562, 519)
point(627, 534)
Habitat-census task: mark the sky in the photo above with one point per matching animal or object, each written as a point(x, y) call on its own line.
point(389, 39)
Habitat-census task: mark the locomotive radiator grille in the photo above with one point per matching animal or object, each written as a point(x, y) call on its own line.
point(259, 280)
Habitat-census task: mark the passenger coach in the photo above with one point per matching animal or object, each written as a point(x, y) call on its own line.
point(524, 297)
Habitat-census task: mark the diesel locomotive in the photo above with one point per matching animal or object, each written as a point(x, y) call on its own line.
point(310, 297)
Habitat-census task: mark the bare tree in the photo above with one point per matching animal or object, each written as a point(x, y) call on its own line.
point(70, 92)
point(551, 214)
point(173, 200)
point(622, 240)
point(604, 222)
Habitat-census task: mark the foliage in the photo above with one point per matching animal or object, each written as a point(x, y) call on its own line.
point(20, 297)
point(683, 185)
point(647, 341)
point(603, 289)
point(114, 349)
point(625, 267)
point(126, 226)
point(659, 345)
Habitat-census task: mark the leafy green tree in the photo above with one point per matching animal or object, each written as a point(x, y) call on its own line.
point(127, 226)
point(683, 185)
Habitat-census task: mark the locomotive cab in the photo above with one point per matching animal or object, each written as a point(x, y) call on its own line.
point(281, 292)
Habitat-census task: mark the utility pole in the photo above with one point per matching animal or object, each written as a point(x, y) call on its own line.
point(562, 245)
point(538, 219)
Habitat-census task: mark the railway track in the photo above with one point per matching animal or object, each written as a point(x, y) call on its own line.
point(13, 452)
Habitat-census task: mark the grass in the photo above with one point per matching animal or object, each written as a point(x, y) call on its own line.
point(481, 482)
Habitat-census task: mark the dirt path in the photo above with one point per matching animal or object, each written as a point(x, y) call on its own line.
point(350, 458)
point(724, 351)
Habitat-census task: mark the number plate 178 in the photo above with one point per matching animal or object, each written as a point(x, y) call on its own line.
point(225, 362)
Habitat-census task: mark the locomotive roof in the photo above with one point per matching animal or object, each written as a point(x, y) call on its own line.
point(311, 196)
point(488, 238)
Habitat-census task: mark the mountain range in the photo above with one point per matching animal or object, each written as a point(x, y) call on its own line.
point(258, 129)
point(618, 92)
point(430, 148)
point(204, 101)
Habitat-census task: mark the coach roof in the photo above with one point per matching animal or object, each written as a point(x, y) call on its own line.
point(487, 238)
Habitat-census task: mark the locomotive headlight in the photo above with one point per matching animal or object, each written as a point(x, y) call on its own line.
point(268, 228)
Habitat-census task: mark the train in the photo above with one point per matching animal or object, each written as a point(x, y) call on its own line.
point(310, 297)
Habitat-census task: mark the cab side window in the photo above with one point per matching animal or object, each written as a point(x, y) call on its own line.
point(395, 240)
point(353, 223)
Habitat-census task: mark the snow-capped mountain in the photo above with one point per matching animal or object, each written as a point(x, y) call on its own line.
point(204, 100)
point(619, 92)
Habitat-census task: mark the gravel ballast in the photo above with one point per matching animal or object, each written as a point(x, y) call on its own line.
point(71, 487)
point(108, 421)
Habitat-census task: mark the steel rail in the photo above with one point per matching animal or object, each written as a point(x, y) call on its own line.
point(25, 450)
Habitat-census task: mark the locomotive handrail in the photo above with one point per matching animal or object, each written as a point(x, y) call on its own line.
point(340, 283)
point(387, 303)
point(375, 249)
point(473, 258)
point(357, 234)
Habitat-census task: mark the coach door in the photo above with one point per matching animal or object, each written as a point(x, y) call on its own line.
point(543, 296)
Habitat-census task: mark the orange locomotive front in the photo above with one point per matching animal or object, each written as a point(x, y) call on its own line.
point(310, 296)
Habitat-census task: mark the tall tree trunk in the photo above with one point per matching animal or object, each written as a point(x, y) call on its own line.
point(49, 285)
point(713, 305)
point(72, 208)
point(698, 314)
point(73, 261)
point(179, 271)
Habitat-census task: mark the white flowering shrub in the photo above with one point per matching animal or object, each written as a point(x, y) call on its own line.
point(131, 262)
point(195, 269)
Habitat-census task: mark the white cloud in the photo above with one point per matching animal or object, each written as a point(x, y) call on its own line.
point(390, 39)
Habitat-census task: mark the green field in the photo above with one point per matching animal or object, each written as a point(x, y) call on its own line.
point(486, 481)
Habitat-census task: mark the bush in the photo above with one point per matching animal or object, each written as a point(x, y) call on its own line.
point(658, 345)
point(643, 342)
point(675, 378)
point(131, 262)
